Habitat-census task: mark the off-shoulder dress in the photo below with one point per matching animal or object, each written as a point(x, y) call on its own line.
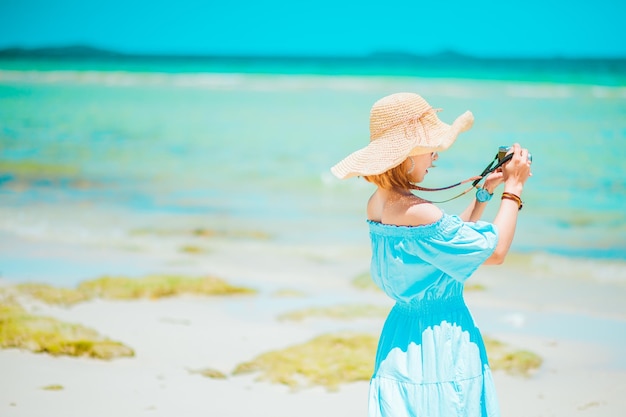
point(431, 360)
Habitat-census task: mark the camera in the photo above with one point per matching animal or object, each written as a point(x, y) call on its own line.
point(502, 151)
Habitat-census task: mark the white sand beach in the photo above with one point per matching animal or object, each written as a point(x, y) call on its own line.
point(576, 324)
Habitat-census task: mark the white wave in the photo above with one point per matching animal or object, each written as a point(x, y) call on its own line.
point(219, 81)
point(515, 319)
point(599, 270)
point(600, 91)
point(527, 90)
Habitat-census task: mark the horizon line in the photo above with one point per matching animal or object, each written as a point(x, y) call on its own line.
point(88, 51)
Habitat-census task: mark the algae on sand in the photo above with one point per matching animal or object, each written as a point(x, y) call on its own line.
point(125, 288)
point(516, 362)
point(52, 295)
point(364, 282)
point(20, 329)
point(35, 170)
point(158, 286)
point(209, 373)
point(328, 360)
point(53, 387)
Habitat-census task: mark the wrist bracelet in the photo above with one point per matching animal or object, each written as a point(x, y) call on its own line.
point(516, 198)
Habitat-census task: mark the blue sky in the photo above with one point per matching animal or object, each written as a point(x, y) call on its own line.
point(323, 27)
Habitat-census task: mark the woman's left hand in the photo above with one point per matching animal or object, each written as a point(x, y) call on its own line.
point(493, 180)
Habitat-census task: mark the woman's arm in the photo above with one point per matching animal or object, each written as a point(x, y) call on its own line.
point(515, 173)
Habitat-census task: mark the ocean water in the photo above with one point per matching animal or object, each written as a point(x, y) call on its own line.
point(92, 153)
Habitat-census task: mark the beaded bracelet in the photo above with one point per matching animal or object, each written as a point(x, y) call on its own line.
point(516, 198)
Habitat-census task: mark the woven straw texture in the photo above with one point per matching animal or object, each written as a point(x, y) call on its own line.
point(401, 124)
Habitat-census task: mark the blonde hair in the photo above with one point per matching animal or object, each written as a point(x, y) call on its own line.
point(396, 177)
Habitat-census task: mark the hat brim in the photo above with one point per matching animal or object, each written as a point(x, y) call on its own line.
point(387, 152)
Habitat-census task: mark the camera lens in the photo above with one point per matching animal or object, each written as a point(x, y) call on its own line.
point(502, 150)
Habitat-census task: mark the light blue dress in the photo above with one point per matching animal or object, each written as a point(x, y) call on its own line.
point(431, 360)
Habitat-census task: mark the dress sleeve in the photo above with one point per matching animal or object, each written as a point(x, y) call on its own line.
point(457, 248)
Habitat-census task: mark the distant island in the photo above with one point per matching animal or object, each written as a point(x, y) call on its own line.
point(89, 52)
point(450, 64)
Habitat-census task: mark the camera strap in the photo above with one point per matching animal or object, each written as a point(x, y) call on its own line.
point(493, 165)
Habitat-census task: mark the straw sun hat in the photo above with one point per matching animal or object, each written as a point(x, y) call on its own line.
point(401, 125)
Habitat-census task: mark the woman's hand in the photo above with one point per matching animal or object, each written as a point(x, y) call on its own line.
point(493, 180)
point(517, 170)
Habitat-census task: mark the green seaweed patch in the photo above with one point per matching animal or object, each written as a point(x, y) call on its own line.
point(342, 312)
point(33, 170)
point(364, 282)
point(53, 295)
point(22, 330)
point(328, 360)
point(288, 293)
point(146, 231)
point(158, 286)
point(208, 373)
point(124, 288)
point(515, 362)
point(53, 387)
point(192, 249)
point(474, 287)
point(203, 233)
point(22, 174)
point(248, 234)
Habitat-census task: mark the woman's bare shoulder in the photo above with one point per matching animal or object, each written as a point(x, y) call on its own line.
point(414, 212)
point(375, 207)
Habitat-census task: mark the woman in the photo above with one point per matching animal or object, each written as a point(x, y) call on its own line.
point(431, 360)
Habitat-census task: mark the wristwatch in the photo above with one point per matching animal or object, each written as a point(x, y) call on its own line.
point(483, 195)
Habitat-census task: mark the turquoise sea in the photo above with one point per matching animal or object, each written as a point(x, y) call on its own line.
point(94, 150)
